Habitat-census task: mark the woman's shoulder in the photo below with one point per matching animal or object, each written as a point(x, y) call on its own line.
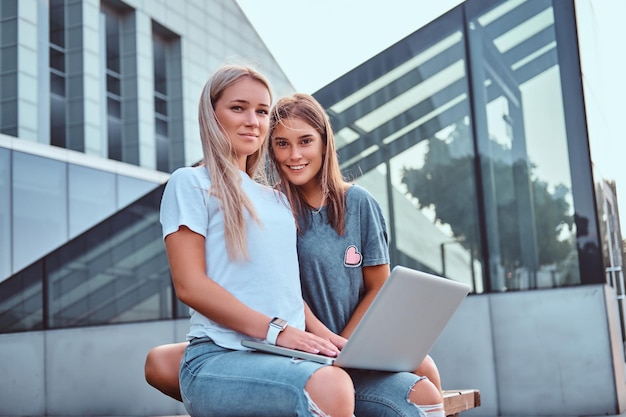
point(190, 174)
point(358, 193)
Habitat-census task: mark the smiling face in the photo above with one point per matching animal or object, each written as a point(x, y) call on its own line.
point(298, 150)
point(243, 113)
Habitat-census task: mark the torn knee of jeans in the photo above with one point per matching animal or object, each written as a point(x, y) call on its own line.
point(430, 410)
point(412, 387)
point(314, 408)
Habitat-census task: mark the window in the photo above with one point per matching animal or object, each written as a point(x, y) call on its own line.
point(120, 75)
point(8, 68)
point(167, 99)
point(5, 214)
point(403, 129)
point(523, 146)
point(40, 192)
point(58, 75)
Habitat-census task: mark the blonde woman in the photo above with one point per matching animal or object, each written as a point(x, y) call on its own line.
point(231, 247)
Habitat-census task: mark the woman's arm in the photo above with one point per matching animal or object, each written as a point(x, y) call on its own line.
point(186, 256)
point(315, 326)
point(373, 279)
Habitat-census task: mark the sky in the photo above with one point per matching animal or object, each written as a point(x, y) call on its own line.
point(317, 41)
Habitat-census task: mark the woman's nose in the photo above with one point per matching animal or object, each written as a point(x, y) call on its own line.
point(252, 119)
point(295, 153)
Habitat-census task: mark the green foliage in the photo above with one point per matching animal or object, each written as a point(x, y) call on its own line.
point(446, 183)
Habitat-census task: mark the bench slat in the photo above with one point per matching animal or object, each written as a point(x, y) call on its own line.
point(456, 401)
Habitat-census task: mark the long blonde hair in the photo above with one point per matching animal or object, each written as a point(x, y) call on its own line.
point(221, 162)
point(307, 109)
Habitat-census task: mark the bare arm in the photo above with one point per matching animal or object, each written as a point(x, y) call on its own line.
point(186, 256)
point(314, 325)
point(373, 277)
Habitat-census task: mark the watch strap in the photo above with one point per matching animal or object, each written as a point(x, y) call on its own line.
point(276, 326)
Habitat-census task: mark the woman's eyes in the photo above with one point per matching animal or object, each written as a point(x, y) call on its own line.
point(238, 108)
point(285, 143)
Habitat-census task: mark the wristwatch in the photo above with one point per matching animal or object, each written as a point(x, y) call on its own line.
point(275, 327)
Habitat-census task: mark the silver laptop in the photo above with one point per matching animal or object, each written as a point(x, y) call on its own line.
point(399, 329)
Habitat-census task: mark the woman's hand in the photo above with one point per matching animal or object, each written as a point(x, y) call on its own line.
point(294, 338)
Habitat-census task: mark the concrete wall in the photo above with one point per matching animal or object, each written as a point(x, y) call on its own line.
point(548, 352)
point(96, 371)
point(544, 352)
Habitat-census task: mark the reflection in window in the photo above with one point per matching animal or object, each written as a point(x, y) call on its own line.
point(8, 67)
point(160, 102)
point(130, 189)
point(40, 191)
point(89, 204)
point(5, 213)
point(115, 272)
point(113, 83)
point(406, 136)
point(58, 97)
point(523, 147)
point(167, 99)
point(118, 31)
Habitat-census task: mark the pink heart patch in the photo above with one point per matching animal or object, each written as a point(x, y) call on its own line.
point(353, 257)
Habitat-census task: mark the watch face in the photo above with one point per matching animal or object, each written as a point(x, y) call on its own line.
point(280, 323)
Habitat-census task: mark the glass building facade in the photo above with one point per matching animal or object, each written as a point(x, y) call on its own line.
point(97, 111)
point(470, 132)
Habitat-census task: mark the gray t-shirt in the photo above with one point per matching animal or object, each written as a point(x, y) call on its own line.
point(331, 265)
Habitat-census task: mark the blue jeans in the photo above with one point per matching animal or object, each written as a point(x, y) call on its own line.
point(221, 382)
point(384, 394)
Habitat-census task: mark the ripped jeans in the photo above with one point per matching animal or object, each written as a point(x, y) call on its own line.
point(384, 394)
point(221, 382)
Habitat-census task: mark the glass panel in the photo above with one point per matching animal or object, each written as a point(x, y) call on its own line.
point(57, 59)
point(8, 58)
point(5, 214)
point(8, 30)
point(160, 105)
point(8, 83)
point(130, 189)
point(114, 84)
point(160, 64)
point(114, 108)
point(113, 42)
point(161, 127)
point(40, 207)
point(523, 147)
point(57, 22)
point(8, 8)
point(114, 131)
point(162, 151)
point(57, 121)
point(57, 85)
point(8, 117)
point(434, 164)
point(21, 300)
point(405, 133)
point(115, 272)
point(91, 197)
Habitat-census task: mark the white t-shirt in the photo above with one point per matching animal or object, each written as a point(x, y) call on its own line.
point(269, 282)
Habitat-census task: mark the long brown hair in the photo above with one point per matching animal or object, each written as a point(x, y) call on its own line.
point(307, 109)
point(221, 162)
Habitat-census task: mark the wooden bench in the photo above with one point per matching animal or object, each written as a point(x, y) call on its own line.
point(456, 401)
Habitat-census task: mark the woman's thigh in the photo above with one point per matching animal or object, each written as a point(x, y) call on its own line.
point(221, 382)
point(384, 394)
